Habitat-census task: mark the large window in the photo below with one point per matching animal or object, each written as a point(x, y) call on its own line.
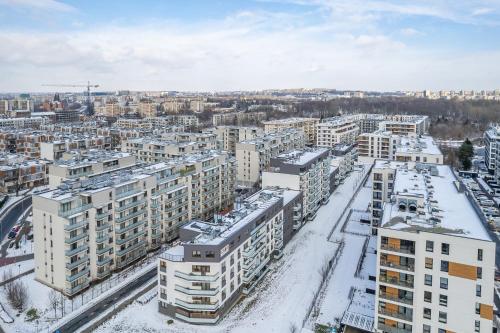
point(429, 246)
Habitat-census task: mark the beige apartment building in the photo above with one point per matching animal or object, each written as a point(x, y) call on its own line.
point(254, 156)
point(229, 136)
point(406, 148)
point(147, 109)
point(307, 125)
point(18, 172)
point(55, 149)
point(435, 259)
point(88, 228)
point(336, 130)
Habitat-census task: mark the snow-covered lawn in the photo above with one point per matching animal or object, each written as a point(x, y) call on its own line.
point(25, 247)
point(17, 268)
point(282, 298)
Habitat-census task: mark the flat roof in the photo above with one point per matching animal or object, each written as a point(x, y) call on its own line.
point(421, 144)
point(446, 209)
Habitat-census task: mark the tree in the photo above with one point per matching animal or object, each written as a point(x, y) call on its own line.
point(465, 154)
point(54, 301)
point(17, 294)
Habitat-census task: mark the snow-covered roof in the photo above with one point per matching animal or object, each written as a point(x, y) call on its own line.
point(442, 206)
point(422, 144)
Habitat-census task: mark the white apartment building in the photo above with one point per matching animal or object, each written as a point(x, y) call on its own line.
point(336, 130)
point(32, 122)
point(254, 156)
point(406, 124)
point(491, 140)
point(156, 149)
point(306, 170)
point(307, 125)
point(405, 148)
point(87, 228)
point(435, 259)
point(206, 141)
point(78, 164)
point(217, 262)
point(55, 149)
point(229, 136)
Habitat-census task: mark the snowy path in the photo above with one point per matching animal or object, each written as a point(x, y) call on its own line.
point(282, 298)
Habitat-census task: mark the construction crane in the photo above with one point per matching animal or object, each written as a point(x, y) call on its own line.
point(88, 86)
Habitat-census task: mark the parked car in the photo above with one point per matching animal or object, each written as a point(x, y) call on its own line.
point(13, 232)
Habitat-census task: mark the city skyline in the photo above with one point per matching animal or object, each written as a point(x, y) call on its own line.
point(250, 45)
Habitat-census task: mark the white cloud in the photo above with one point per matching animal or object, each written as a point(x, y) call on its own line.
point(410, 32)
point(47, 5)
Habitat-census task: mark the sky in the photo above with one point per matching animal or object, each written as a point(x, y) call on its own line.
point(221, 45)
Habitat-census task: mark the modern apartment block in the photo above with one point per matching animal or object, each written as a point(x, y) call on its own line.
point(229, 136)
point(148, 108)
point(254, 156)
point(307, 125)
point(306, 170)
point(155, 149)
point(206, 141)
point(491, 141)
point(55, 149)
point(217, 262)
point(336, 130)
point(17, 172)
point(87, 228)
point(78, 164)
point(343, 157)
point(405, 148)
point(435, 259)
point(237, 118)
point(406, 124)
point(23, 122)
point(25, 142)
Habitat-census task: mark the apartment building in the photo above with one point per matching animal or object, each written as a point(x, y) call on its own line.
point(306, 170)
point(55, 149)
point(148, 109)
point(254, 156)
point(307, 125)
point(204, 140)
point(406, 124)
point(237, 118)
point(336, 130)
point(229, 136)
point(343, 157)
point(435, 259)
point(17, 173)
point(491, 140)
point(23, 122)
point(77, 164)
point(88, 228)
point(217, 262)
point(155, 149)
point(405, 148)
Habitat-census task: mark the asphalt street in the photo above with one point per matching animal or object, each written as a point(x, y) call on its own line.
point(7, 220)
point(108, 302)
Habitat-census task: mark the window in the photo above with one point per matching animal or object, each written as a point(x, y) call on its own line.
point(477, 326)
point(428, 280)
point(444, 266)
point(428, 263)
point(427, 296)
point(478, 290)
point(478, 308)
point(210, 254)
point(429, 246)
point(426, 329)
point(196, 254)
point(427, 313)
point(443, 300)
point(443, 283)
point(479, 274)
point(440, 330)
point(480, 255)
point(443, 317)
point(445, 248)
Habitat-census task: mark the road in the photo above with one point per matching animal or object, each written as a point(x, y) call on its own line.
point(8, 219)
point(108, 302)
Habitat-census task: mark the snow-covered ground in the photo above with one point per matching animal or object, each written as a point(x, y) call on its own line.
point(25, 247)
point(283, 297)
point(17, 268)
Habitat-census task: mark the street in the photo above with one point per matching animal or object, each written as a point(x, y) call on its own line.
point(9, 218)
point(106, 303)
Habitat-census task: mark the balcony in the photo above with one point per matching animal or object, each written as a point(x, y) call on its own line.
point(72, 252)
point(130, 248)
point(74, 211)
point(197, 306)
point(120, 241)
point(123, 195)
point(197, 292)
point(395, 281)
point(401, 249)
point(76, 225)
point(394, 314)
point(393, 298)
point(129, 227)
point(130, 205)
point(83, 272)
point(102, 215)
point(392, 329)
point(129, 216)
point(103, 250)
point(390, 264)
point(77, 288)
point(76, 238)
point(197, 277)
point(76, 263)
point(102, 226)
point(198, 319)
point(103, 261)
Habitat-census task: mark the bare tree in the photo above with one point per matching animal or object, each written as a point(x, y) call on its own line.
point(17, 295)
point(54, 301)
point(293, 328)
